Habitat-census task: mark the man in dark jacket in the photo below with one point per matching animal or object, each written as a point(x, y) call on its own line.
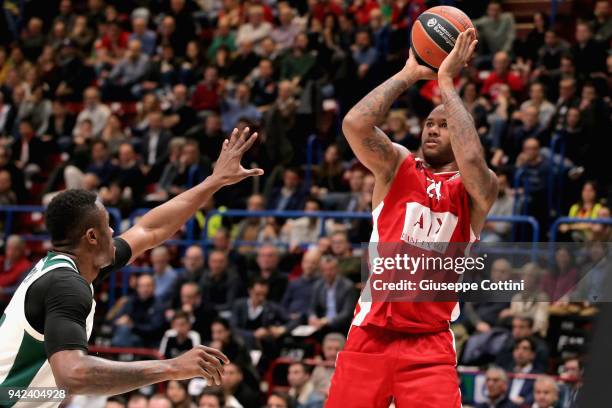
point(333, 299)
point(219, 284)
point(521, 389)
point(155, 142)
point(267, 261)
point(140, 322)
point(298, 296)
point(258, 321)
point(289, 196)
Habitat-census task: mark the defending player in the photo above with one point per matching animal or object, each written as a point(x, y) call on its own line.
point(404, 351)
point(44, 332)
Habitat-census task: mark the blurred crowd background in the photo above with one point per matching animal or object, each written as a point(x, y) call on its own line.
point(132, 99)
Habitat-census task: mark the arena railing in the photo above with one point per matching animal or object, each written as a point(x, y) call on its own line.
point(554, 228)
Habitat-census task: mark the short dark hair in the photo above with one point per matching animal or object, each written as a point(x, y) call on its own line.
point(289, 401)
point(69, 215)
point(313, 199)
point(99, 142)
point(180, 314)
point(214, 392)
point(307, 369)
point(577, 359)
point(528, 339)
point(223, 322)
point(259, 281)
point(117, 398)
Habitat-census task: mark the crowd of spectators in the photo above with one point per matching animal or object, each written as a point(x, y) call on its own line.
point(133, 99)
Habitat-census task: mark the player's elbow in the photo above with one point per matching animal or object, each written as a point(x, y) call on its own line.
point(351, 124)
point(75, 379)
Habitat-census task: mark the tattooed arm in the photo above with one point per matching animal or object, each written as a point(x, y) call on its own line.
point(79, 373)
point(479, 181)
point(370, 144)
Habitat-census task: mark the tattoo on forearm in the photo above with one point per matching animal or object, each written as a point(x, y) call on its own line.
point(372, 110)
point(374, 106)
point(117, 378)
point(465, 144)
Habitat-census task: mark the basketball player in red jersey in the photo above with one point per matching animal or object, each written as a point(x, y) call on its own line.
point(404, 351)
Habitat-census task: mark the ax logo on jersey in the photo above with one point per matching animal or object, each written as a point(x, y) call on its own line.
point(433, 189)
point(428, 229)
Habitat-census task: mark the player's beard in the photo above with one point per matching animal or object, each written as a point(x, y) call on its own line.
point(438, 157)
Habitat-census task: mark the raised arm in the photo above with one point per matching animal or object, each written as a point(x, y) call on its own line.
point(371, 145)
point(159, 224)
point(479, 181)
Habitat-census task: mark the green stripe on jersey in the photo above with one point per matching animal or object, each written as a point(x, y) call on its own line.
point(30, 357)
point(53, 259)
point(2, 318)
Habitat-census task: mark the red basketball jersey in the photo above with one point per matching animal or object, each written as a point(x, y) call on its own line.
point(421, 207)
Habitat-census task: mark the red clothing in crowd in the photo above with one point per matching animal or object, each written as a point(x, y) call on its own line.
point(323, 7)
point(403, 12)
point(205, 97)
point(10, 274)
point(362, 13)
point(431, 89)
point(491, 84)
point(110, 44)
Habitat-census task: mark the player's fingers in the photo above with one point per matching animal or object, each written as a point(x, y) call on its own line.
point(472, 49)
point(216, 373)
point(216, 353)
point(253, 172)
point(249, 142)
point(471, 33)
point(225, 144)
point(233, 137)
point(210, 373)
point(211, 364)
point(465, 44)
point(210, 358)
point(242, 139)
point(458, 42)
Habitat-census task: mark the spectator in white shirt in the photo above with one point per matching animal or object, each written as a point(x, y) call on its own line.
point(289, 27)
point(94, 110)
point(256, 29)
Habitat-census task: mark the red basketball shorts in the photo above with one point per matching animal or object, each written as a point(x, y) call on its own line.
point(378, 366)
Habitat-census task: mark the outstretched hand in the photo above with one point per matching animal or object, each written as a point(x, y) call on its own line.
point(460, 55)
point(228, 169)
point(200, 361)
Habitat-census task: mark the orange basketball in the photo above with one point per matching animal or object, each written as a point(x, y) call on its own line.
point(435, 32)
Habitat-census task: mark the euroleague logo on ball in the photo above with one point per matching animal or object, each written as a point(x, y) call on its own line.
point(432, 22)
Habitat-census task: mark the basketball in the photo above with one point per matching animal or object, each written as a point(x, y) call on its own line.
point(434, 34)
